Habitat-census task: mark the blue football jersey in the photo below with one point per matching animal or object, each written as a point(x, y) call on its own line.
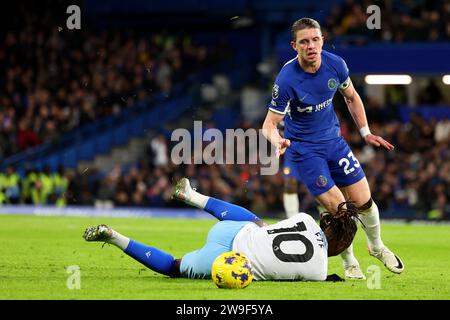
point(306, 99)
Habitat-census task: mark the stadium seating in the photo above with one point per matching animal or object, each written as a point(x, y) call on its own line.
point(231, 41)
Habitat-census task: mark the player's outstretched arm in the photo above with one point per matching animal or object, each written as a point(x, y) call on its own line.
point(356, 108)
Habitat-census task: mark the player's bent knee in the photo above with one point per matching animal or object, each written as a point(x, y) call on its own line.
point(175, 270)
point(366, 206)
point(261, 223)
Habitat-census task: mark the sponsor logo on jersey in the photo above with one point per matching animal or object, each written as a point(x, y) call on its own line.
point(275, 91)
point(321, 181)
point(332, 84)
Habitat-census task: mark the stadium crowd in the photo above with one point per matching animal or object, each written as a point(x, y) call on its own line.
point(401, 20)
point(420, 165)
point(56, 80)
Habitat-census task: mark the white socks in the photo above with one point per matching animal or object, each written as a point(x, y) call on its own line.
point(119, 240)
point(371, 220)
point(348, 257)
point(196, 199)
point(291, 204)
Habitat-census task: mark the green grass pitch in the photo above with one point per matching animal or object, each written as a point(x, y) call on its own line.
point(35, 253)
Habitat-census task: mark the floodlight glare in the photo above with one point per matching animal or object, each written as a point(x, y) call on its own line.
point(388, 79)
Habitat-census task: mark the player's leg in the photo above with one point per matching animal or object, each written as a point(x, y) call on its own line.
point(198, 264)
point(151, 257)
point(359, 192)
point(222, 210)
point(290, 193)
point(351, 266)
point(345, 169)
point(290, 197)
point(315, 174)
point(330, 200)
point(349, 176)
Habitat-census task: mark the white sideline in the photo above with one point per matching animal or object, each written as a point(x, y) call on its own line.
point(90, 211)
point(132, 212)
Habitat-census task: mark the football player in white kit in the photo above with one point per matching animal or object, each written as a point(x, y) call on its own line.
point(292, 249)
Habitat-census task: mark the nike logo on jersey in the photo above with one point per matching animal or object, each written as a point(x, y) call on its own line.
point(307, 109)
point(301, 99)
point(317, 107)
point(223, 214)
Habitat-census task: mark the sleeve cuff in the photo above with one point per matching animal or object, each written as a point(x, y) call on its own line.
point(277, 111)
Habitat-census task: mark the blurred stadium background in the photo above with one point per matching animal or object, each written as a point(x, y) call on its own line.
point(86, 115)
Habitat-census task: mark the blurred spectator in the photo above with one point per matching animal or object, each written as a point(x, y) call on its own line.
point(9, 186)
point(414, 179)
point(402, 20)
point(55, 80)
point(431, 94)
point(26, 137)
point(442, 131)
point(252, 100)
point(159, 152)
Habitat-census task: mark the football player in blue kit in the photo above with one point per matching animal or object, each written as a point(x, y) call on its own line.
point(313, 147)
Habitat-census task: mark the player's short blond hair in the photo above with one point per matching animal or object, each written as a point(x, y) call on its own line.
point(303, 23)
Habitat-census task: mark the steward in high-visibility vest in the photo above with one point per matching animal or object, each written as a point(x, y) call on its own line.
point(60, 186)
point(43, 187)
point(27, 185)
point(12, 185)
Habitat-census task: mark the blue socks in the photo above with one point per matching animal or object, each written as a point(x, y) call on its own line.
point(166, 264)
point(226, 211)
point(152, 258)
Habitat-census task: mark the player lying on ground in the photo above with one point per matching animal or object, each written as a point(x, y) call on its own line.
point(292, 249)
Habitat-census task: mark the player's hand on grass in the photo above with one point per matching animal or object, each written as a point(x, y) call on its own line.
point(378, 141)
point(283, 144)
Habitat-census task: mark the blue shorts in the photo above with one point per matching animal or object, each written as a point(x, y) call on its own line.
point(322, 165)
point(197, 264)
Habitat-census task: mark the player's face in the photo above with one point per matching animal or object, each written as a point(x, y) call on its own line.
point(308, 44)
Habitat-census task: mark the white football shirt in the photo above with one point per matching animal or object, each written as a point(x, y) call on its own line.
point(292, 249)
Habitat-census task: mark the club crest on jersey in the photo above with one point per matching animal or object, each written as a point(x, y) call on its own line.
point(287, 171)
point(332, 84)
point(275, 91)
point(321, 181)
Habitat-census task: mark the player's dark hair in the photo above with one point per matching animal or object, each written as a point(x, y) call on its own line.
point(303, 23)
point(340, 227)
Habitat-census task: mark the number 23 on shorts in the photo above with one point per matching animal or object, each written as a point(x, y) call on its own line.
point(349, 167)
